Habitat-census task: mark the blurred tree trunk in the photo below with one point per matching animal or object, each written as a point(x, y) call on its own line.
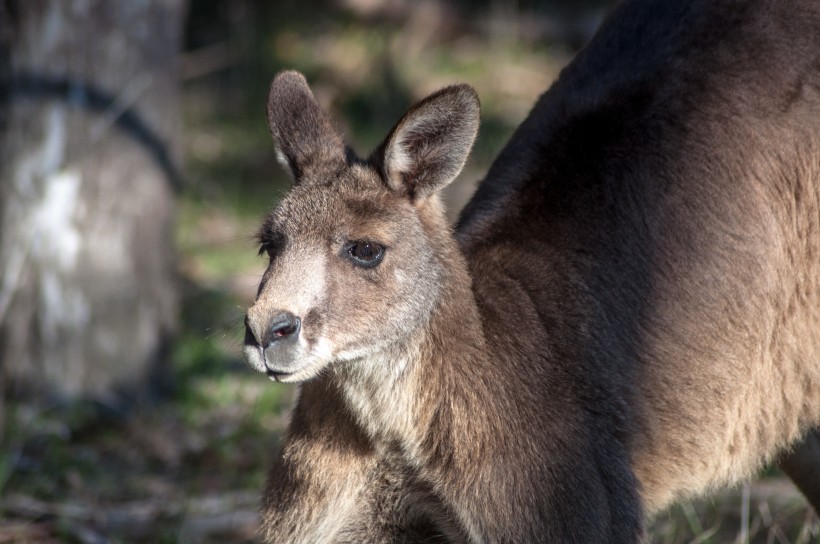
point(88, 136)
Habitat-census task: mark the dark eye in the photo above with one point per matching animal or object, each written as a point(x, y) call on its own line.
point(366, 254)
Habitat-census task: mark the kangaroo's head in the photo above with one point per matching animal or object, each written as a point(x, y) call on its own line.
point(356, 247)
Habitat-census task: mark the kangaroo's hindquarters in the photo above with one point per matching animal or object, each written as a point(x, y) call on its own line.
point(675, 188)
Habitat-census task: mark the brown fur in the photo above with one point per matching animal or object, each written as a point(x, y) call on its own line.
point(628, 315)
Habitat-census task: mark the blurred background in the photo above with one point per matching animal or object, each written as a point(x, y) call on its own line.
point(135, 167)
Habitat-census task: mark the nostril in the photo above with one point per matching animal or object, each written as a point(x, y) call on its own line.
point(285, 330)
point(283, 326)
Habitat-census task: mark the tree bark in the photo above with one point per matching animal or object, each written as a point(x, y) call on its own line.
point(87, 146)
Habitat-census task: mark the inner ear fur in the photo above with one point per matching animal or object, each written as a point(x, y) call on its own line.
point(428, 147)
point(302, 132)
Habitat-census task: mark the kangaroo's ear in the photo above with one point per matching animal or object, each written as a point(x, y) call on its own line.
point(302, 132)
point(428, 147)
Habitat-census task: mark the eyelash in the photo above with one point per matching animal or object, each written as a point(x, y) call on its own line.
point(271, 245)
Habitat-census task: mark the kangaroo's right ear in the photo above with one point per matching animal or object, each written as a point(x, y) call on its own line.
point(428, 147)
point(302, 132)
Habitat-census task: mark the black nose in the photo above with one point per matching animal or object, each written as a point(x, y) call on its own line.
point(283, 325)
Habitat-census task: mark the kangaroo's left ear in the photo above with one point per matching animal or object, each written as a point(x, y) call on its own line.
point(428, 147)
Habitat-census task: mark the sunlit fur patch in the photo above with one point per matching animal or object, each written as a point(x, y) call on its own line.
point(295, 282)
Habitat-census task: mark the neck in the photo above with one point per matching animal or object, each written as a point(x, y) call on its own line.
point(401, 393)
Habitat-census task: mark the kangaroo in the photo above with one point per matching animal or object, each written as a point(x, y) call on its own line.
point(627, 314)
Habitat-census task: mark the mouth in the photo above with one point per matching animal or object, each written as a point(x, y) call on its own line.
point(280, 371)
point(260, 361)
point(305, 372)
point(284, 362)
point(277, 376)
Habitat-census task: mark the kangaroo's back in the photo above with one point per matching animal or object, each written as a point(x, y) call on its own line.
point(657, 65)
point(662, 201)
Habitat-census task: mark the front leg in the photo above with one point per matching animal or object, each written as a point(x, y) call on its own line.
point(395, 508)
point(314, 489)
point(330, 486)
